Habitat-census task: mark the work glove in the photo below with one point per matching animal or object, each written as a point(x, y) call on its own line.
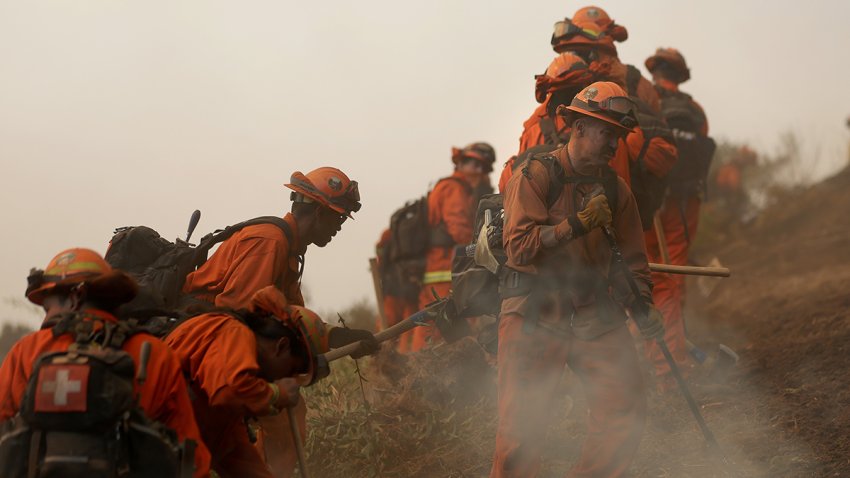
point(285, 394)
point(652, 327)
point(597, 213)
point(340, 336)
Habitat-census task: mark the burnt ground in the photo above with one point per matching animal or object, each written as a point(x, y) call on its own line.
point(783, 411)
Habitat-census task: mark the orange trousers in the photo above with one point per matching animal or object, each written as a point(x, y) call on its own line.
point(275, 442)
point(530, 368)
point(423, 335)
point(397, 309)
point(668, 293)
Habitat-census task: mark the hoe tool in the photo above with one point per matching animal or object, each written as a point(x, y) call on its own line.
point(299, 444)
point(640, 312)
point(440, 312)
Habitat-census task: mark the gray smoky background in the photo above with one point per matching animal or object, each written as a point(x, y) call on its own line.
point(128, 113)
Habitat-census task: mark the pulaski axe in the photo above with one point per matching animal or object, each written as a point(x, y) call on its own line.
point(440, 312)
point(726, 357)
point(640, 312)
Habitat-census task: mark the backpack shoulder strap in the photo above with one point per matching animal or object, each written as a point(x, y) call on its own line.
point(632, 79)
point(81, 325)
point(210, 240)
point(554, 171)
point(549, 130)
point(611, 185)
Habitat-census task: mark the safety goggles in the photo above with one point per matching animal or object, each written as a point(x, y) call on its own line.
point(618, 108)
point(349, 200)
point(566, 27)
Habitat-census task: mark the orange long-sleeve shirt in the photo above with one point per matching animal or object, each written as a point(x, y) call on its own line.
point(577, 262)
point(218, 355)
point(449, 206)
point(163, 396)
point(253, 258)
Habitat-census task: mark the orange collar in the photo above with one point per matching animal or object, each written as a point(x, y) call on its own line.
point(295, 247)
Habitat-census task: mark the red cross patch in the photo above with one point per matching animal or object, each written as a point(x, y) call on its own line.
point(62, 388)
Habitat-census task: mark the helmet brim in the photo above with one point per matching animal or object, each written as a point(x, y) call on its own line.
point(598, 116)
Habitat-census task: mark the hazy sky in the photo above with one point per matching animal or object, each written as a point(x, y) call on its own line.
point(117, 113)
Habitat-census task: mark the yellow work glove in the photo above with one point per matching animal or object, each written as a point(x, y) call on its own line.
point(597, 213)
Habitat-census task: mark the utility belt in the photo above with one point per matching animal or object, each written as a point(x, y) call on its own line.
point(593, 312)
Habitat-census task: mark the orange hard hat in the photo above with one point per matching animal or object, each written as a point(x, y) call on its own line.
point(673, 61)
point(606, 101)
point(327, 186)
point(311, 330)
point(480, 151)
point(571, 35)
point(566, 71)
point(83, 267)
point(600, 17)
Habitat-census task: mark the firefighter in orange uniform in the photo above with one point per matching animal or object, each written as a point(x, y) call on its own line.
point(80, 281)
point(557, 305)
point(647, 154)
point(396, 306)
point(565, 76)
point(679, 213)
point(263, 255)
point(232, 359)
point(451, 207)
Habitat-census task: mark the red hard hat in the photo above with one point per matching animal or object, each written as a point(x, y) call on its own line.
point(571, 35)
point(606, 101)
point(311, 330)
point(566, 71)
point(600, 17)
point(671, 58)
point(81, 267)
point(327, 186)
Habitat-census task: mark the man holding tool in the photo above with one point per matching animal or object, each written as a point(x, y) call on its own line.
point(247, 364)
point(273, 255)
point(557, 308)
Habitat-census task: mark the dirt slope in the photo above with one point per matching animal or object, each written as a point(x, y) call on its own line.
point(786, 310)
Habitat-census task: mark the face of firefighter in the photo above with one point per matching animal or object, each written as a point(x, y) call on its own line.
point(275, 358)
point(327, 223)
point(472, 170)
point(594, 143)
point(64, 301)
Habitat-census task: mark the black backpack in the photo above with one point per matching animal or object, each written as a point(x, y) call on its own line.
point(161, 266)
point(649, 190)
point(79, 417)
point(689, 175)
point(403, 261)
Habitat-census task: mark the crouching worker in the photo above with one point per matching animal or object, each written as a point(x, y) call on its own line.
point(90, 394)
point(247, 364)
point(557, 305)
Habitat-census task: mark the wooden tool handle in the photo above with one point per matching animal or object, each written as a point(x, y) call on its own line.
point(691, 270)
